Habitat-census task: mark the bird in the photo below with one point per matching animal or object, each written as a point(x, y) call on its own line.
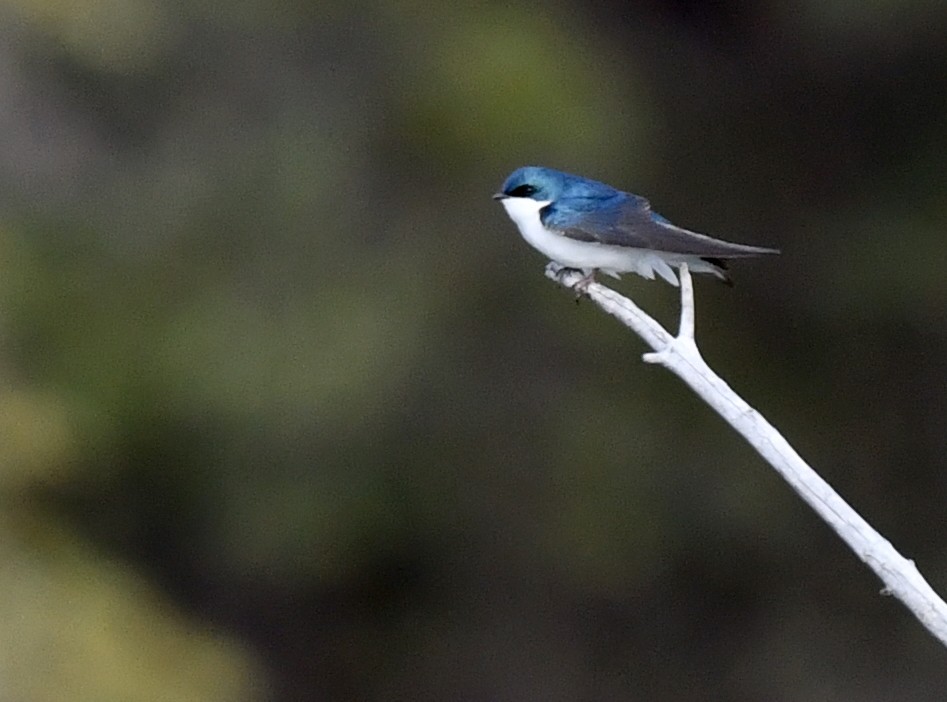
point(590, 226)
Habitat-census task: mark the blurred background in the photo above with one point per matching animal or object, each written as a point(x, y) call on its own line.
point(289, 411)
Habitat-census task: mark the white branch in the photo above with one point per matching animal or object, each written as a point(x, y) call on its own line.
point(680, 356)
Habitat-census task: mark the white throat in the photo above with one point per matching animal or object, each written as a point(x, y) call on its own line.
point(524, 211)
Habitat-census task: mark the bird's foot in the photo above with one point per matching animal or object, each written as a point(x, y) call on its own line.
point(581, 286)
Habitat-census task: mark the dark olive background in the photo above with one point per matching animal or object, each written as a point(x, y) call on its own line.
point(289, 411)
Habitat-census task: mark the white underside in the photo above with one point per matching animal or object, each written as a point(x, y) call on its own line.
point(587, 256)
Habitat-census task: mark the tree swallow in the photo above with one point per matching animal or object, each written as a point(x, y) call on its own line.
point(587, 225)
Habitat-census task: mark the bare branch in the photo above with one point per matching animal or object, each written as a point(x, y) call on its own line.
point(680, 356)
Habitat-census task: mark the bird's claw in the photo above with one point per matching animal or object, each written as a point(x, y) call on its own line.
point(581, 286)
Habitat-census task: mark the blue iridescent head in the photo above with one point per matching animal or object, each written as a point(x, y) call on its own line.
point(548, 185)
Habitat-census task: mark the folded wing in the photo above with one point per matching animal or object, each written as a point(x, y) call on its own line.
point(627, 220)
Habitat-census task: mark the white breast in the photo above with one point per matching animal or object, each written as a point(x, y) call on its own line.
point(587, 255)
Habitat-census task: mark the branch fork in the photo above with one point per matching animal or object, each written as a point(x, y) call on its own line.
point(680, 355)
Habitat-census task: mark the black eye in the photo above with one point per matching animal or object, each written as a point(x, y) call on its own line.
point(522, 191)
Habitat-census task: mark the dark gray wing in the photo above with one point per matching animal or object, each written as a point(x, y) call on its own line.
point(630, 222)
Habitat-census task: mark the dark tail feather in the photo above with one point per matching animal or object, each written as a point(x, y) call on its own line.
point(721, 270)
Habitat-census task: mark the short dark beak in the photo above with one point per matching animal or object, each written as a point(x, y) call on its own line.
point(500, 196)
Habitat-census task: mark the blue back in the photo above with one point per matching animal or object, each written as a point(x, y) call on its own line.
point(572, 196)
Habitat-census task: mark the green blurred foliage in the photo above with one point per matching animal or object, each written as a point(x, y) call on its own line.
point(79, 627)
point(290, 412)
